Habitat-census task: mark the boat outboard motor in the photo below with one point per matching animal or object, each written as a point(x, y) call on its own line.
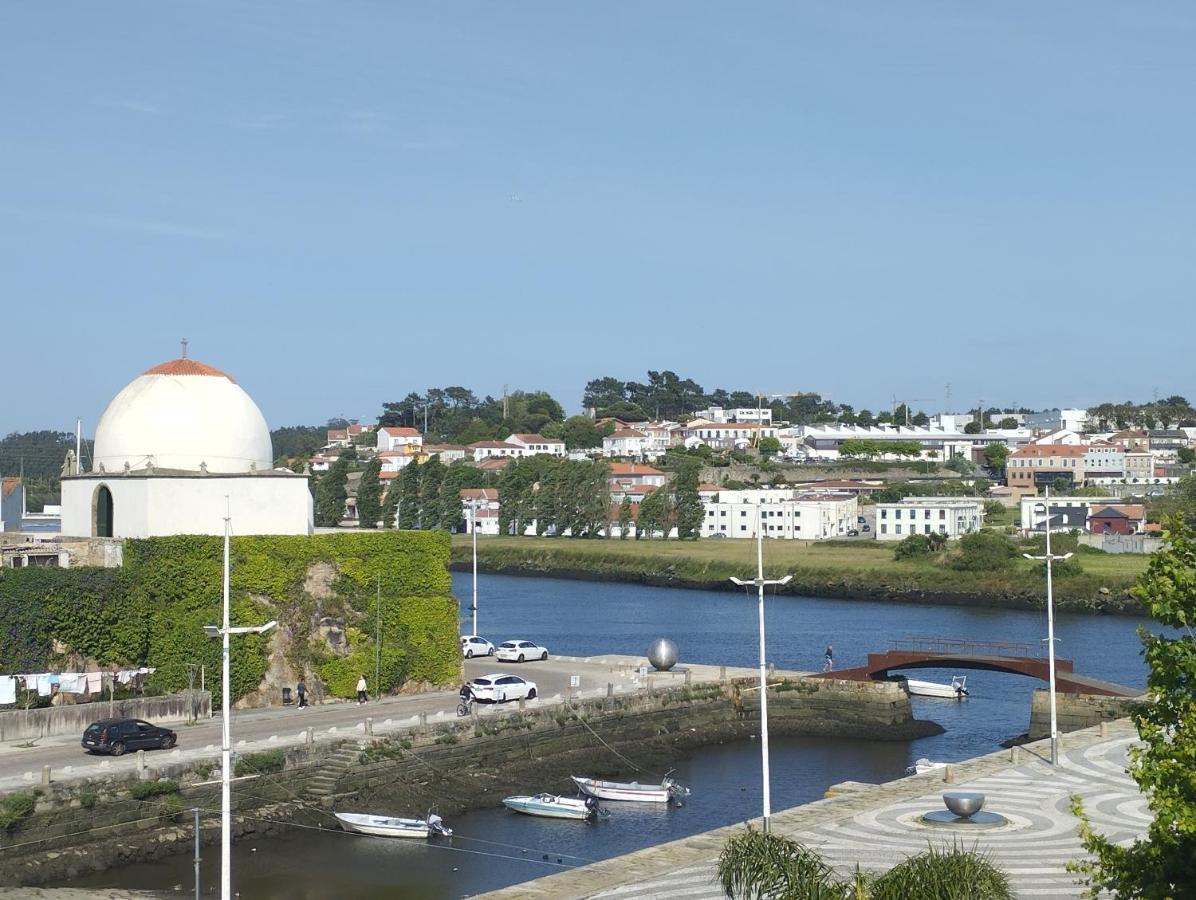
point(436, 825)
point(592, 805)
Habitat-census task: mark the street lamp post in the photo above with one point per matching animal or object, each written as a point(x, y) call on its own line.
point(1048, 558)
point(760, 582)
point(223, 632)
point(473, 530)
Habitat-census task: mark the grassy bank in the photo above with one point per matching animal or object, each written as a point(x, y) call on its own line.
point(863, 569)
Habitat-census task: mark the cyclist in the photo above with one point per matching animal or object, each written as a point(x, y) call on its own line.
point(467, 699)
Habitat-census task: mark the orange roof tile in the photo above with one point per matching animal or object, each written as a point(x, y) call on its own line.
point(184, 366)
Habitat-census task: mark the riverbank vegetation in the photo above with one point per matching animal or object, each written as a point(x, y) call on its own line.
point(861, 568)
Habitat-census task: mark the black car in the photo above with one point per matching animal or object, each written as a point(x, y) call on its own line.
point(115, 736)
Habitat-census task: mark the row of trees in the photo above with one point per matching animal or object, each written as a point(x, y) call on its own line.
point(555, 494)
point(1174, 410)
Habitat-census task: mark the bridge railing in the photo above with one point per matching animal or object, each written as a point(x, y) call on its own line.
point(935, 644)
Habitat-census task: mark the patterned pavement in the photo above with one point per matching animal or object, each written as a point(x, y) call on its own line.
point(877, 826)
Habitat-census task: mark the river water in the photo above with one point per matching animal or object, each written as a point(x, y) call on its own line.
point(493, 848)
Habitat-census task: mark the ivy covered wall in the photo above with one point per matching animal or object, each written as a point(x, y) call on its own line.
point(152, 611)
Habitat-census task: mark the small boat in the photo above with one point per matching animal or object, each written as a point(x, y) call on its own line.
point(956, 690)
point(554, 807)
point(387, 826)
point(667, 790)
point(923, 765)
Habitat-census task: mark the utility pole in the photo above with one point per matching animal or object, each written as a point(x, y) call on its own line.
point(378, 642)
point(1048, 558)
point(760, 582)
point(473, 528)
point(223, 632)
point(78, 446)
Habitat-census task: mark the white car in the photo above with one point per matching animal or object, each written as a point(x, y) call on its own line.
point(500, 687)
point(519, 651)
point(472, 645)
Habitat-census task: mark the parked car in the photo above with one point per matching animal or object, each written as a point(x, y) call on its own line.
point(865, 527)
point(853, 532)
point(719, 534)
point(472, 645)
point(860, 519)
point(500, 687)
point(115, 736)
point(519, 651)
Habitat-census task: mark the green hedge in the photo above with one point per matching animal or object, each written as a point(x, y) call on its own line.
point(152, 611)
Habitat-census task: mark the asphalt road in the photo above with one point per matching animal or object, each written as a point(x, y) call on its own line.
point(258, 729)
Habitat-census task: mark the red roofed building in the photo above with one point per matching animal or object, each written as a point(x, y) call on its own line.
point(1034, 465)
point(394, 437)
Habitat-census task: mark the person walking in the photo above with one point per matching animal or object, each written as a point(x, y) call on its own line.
point(301, 692)
point(361, 690)
point(828, 661)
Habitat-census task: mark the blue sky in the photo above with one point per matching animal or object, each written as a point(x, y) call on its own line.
point(342, 202)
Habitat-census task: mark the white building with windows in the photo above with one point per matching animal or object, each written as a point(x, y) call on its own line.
point(1057, 419)
point(726, 435)
point(785, 514)
point(951, 516)
point(534, 444)
point(624, 442)
point(394, 437)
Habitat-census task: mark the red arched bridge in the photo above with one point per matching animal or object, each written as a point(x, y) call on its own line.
point(1012, 657)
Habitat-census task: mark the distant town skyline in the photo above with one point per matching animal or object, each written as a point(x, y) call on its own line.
point(340, 205)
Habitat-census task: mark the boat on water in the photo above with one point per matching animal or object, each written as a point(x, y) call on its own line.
point(553, 807)
point(388, 826)
point(924, 765)
point(668, 789)
point(956, 690)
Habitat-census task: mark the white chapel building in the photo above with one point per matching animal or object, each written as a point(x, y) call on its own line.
point(178, 446)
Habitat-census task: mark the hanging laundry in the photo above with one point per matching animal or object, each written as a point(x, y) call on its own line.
point(44, 688)
point(72, 683)
point(95, 682)
point(125, 676)
point(54, 678)
point(8, 689)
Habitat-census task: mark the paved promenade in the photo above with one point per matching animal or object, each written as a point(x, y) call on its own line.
point(263, 729)
point(877, 826)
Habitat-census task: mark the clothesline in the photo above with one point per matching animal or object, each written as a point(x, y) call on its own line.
point(47, 683)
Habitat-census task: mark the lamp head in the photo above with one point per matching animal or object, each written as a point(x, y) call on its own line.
point(212, 630)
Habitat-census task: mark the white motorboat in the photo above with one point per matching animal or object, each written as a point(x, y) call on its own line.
point(553, 807)
point(388, 826)
point(667, 790)
point(956, 690)
point(923, 765)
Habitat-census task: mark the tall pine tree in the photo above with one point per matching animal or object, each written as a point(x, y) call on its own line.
point(409, 496)
point(687, 500)
point(369, 495)
point(331, 492)
point(430, 476)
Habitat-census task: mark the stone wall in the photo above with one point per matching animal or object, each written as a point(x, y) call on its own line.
point(456, 765)
point(30, 724)
point(1074, 711)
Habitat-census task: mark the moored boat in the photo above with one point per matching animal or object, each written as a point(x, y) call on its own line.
point(553, 807)
point(389, 826)
point(924, 765)
point(956, 690)
point(633, 791)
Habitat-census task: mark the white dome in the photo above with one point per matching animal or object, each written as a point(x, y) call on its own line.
point(180, 415)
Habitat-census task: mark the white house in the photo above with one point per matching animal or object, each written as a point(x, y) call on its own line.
point(533, 444)
point(481, 503)
point(786, 514)
point(486, 449)
point(1066, 512)
point(624, 442)
point(952, 516)
point(448, 453)
point(1104, 460)
point(727, 435)
point(395, 460)
point(393, 437)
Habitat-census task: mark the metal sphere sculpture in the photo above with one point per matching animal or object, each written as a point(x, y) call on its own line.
point(662, 654)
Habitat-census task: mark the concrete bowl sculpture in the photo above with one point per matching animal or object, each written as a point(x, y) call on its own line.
point(662, 654)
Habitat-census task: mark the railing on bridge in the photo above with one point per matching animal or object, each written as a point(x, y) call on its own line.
point(935, 644)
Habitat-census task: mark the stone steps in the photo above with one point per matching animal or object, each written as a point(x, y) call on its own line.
point(323, 783)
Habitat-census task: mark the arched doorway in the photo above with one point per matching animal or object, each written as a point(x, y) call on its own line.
point(103, 512)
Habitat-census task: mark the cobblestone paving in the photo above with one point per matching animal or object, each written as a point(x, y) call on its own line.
point(880, 825)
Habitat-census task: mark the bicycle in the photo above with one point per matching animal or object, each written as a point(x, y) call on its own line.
point(464, 707)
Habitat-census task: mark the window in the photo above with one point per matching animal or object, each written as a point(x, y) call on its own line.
point(743, 528)
point(884, 529)
point(942, 514)
point(898, 531)
point(884, 513)
point(927, 527)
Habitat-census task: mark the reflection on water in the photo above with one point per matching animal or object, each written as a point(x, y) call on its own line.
point(495, 847)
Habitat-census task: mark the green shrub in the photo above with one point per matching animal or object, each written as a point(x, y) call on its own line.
point(13, 808)
point(264, 763)
point(948, 873)
point(170, 807)
point(88, 799)
point(144, 790)
point(984, 551)
point(757, 865)
point(919, 545)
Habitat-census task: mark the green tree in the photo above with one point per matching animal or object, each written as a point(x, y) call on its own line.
point(960, 465)
point(972, 428)
point(390, 503)
point(688, 502)
point(1007, 423)
point(580, 433)
point(1162, 864)
point(430, 476)
point(369, 495)
point(1186, 455)
point(624, 517)
point(331, 492)
point(984, 551)
point(654, 513)
point(770, 445)
point(409, 496)
point(995, 455)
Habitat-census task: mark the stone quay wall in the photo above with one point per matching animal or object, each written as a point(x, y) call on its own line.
point(73, 718)
point(457, 765)
point(1074, 712)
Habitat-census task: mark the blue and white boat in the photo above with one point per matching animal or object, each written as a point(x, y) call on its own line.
point(553, 807)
